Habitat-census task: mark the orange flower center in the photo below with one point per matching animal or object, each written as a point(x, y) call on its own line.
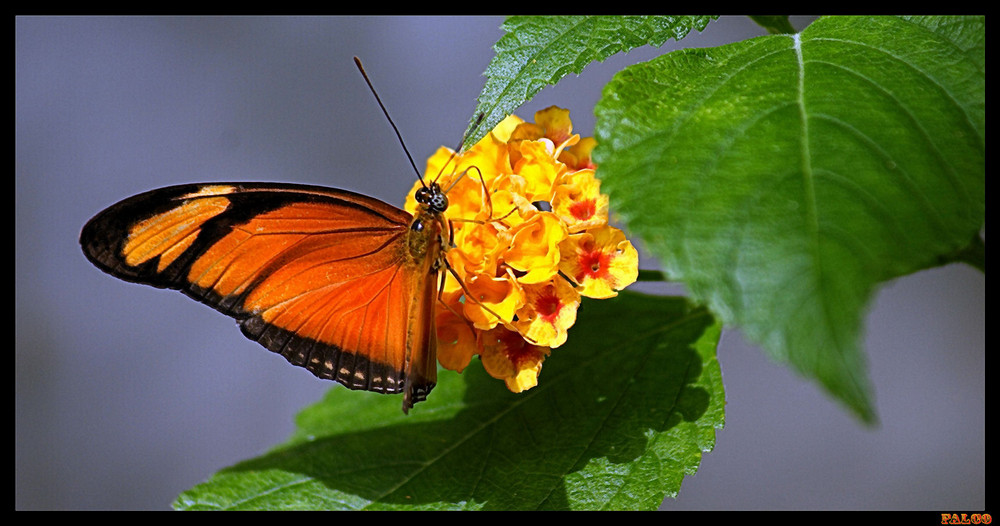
point(593, 264)
point(548, 307)
point(516, 349)
point(583, 210)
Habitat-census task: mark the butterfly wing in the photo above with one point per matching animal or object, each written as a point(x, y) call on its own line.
point(326, 278)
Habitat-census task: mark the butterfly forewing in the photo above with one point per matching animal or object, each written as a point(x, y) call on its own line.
point(327, 278)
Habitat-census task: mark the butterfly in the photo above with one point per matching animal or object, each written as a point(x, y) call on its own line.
point(339, 283)
point(336, 282)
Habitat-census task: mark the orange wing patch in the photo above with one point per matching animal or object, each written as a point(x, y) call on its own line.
point(169, 234)
point(323, 277)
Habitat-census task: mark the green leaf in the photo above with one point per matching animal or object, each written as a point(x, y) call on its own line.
point(621, 413)
point(539, 50)
point(775, 24)
point(784, 177)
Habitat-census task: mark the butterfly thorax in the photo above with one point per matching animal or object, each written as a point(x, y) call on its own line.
point(426, 240)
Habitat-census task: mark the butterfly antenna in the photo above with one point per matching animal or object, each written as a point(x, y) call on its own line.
point(361, 68)
point(479, 119)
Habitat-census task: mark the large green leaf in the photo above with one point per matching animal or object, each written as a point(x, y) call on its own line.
point(539, 50)
point(782, 178)
point(622, 412)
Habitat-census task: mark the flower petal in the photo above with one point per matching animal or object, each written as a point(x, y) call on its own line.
point(456, 336)
point(492, 297)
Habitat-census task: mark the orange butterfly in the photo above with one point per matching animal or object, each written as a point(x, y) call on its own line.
point(336, 282)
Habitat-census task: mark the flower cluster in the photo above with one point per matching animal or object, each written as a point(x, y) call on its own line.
point(530, 237)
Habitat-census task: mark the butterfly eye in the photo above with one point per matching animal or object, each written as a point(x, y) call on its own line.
point(438, 201)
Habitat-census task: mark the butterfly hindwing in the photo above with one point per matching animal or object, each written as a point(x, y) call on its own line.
point(324, 277)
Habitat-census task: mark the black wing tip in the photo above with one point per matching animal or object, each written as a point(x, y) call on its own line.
point(103, 236)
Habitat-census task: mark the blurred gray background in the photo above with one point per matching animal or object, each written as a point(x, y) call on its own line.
point(126, 395)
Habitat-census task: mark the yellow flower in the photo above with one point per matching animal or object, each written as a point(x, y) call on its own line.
point(533, 247)
point(492, 297)
point(601, 261)
point(552, 125)
point(539, 168)
point(528, 236)
point(480, 251)
point(506, 356)
point(578, 156)
point(508, 201)
point(555, 121)
point(548, 312)
point(577, 200)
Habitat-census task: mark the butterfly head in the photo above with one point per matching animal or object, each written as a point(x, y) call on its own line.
point(433, 198)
